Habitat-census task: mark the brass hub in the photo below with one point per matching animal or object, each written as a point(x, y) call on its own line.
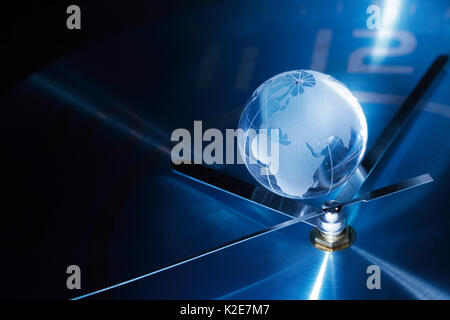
point(332, 243)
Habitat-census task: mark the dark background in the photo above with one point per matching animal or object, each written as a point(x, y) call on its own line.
point(51, 163)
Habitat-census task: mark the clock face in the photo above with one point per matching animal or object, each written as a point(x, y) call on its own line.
point(126, 95)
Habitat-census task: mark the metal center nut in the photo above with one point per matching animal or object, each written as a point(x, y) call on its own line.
point(332, 243)
point(332, 232)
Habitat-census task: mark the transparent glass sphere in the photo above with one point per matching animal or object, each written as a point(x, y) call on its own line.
point(304, 134)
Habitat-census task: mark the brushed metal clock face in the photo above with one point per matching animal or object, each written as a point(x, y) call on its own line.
point(214, 64)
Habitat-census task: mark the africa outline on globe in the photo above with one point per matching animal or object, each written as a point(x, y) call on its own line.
point(317, 132)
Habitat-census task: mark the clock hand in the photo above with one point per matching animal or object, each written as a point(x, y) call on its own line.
point(254, 235)
point(244, 191)
point(384, 141)
point(389, 190)
point(258, 195)
point(333, 233)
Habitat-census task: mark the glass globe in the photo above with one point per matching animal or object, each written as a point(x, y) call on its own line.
point(304, 134)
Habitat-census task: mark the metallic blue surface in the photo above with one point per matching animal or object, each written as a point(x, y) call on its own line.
point(167, 218)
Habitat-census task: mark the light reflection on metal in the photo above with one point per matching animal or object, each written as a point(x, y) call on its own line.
point(418, 288)
point(319, 279)
point(88, 107)
point(390, 12)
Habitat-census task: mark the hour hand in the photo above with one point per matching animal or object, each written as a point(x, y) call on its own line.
point(391, 189)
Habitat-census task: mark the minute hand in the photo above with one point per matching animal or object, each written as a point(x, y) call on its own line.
point(391, 131)
point(391, 189)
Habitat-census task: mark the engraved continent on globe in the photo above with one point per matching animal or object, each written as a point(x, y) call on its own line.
point(322, 133)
